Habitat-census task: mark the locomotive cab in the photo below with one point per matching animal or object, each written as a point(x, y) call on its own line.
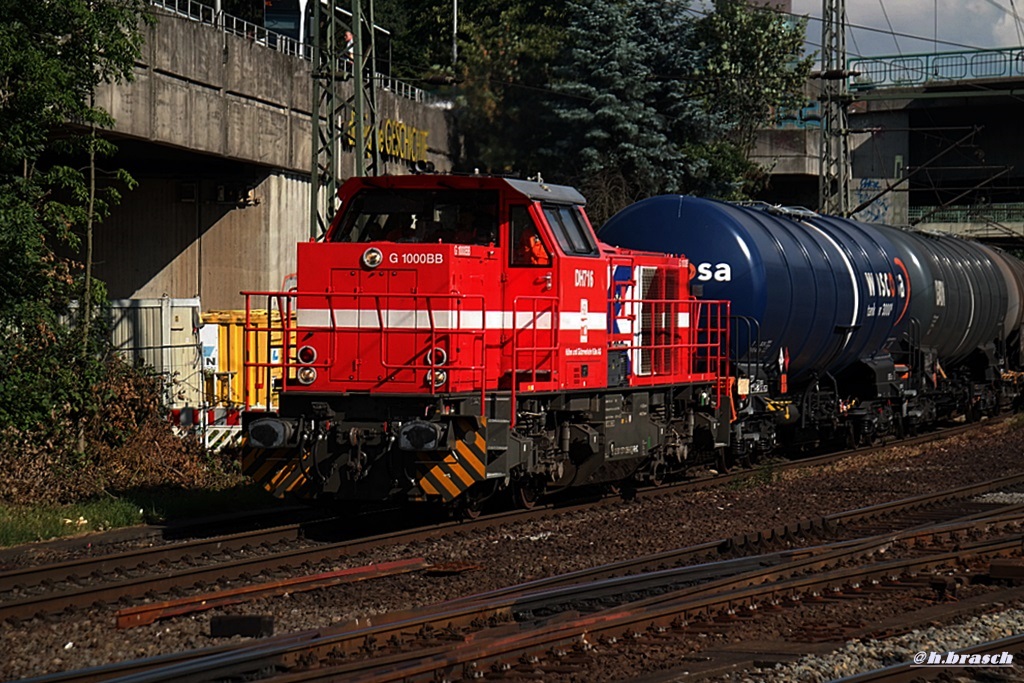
point(453, 336)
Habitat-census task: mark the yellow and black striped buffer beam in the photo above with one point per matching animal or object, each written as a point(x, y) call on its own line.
point(464, 465)
point(278, 470)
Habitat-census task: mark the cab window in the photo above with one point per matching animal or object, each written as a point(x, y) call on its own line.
point(423, 216)
point(527, 246)
point(570, 230)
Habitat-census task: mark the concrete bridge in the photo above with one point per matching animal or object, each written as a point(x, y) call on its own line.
point(947, 125)
point(216, 129)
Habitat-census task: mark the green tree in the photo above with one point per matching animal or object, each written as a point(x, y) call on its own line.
point(624, 98)
point(673, 97)
point(752, 67)
point(507, 48)
point(53, 56)
point(610, 140)
point(751, 70)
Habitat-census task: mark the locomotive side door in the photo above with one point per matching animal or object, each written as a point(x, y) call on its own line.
point(531, 312)
point(582, 298)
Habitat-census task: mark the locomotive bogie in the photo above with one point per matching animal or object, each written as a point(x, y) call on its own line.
point(397, 448)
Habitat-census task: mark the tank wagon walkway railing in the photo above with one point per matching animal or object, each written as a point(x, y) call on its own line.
point(938, 68)
point(260, 35)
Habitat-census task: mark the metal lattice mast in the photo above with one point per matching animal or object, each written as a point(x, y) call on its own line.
point(325, 119)
point(340, 51)
point(364, 91)
point(834, 180)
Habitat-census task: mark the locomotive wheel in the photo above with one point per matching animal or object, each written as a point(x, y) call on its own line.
point(472, 504)
point(726, 460)
point(524, 494)
point(470, 509)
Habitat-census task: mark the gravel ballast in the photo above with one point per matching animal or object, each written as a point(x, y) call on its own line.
point(514, 554)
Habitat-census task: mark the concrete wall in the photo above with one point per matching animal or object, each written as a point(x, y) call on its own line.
point(788, 151)
point(210, 118)
point(206, 91)
point(198, 246)
point(200, 89)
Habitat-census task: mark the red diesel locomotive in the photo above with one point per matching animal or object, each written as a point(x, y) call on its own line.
point(452, 337)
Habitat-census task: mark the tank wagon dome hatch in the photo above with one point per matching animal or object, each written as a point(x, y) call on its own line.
point(813, 292)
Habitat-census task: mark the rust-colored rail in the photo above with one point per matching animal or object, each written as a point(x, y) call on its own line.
point(147, 614)
point(667, 610)
point(670, 612)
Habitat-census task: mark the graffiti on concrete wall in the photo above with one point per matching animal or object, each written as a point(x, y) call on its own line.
point(881, 210)
point(808, 116)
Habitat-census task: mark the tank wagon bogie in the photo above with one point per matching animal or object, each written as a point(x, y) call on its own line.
point(456, 336)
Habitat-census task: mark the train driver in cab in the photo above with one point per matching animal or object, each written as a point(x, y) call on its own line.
point(531, 250)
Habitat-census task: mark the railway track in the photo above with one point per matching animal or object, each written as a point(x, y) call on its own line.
point(449, 636)
point(267, 554)
point(909, 672)
point(556, 642)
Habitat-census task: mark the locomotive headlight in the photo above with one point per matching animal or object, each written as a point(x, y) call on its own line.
point(306, 375)
point(307, 355)
point(437, 356)
point(437, 377)
point(372, 257)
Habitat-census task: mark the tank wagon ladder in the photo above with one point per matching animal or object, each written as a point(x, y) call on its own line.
point(711, 354)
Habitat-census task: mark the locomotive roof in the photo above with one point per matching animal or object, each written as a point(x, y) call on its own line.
point(544, 192)
point(537, 191)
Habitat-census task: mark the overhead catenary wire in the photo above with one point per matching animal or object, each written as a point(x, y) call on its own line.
point(882, 31)
point(857, 53)
point(881, 3)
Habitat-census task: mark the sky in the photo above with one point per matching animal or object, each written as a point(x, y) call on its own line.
point(956, 24)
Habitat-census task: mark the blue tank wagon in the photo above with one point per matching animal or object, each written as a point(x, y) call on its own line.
point(842, 330)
